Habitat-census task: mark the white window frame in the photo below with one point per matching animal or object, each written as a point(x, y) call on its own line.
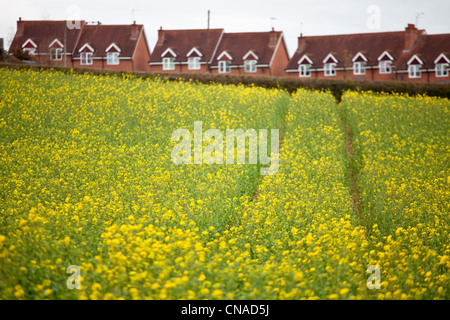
point(169, 63)
point(56, 54)
point(224, 66)
point(30, 51)
point(414, 71)
point(112, 58)
point(194, 63)
point(359, 68)
point(305, 71)
point(442, 70)
point(86, 58)
point(250, 66)
point(329, 69)
point(385, 67)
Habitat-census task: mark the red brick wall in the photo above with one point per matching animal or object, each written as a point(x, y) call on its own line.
point(260, 71)
point(376, 76)
point(434, 79)
point(124, 65)
point(141, 55)
point(179, 69)
point(427, 77)
point(280, 61)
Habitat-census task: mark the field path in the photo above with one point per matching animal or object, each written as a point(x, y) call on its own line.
point(351, 169)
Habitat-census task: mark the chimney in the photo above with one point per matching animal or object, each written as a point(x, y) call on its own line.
point(301, 43)
point(20, 27)
point(411, 35)
point(134, 31)
point(273, 38)
point(161, 36)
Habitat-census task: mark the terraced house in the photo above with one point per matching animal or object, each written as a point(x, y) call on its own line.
point(410, 55)
point(214, 51)
point(184, 50)
point(77, 44)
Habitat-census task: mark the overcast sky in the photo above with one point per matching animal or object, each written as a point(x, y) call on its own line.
point(311, 17)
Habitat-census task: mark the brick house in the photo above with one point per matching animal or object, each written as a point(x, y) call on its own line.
point(112, 47)
point(214, 51)
point(411, 55)
point(252, 53)
point(184, 50)
point(44, 41)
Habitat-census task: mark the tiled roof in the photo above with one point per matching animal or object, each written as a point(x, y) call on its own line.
point(100, 37)
point(43, 33)
point(346, 47)
point(237, 45)
point(182, 41)
point(372, 45)
point(428, 48)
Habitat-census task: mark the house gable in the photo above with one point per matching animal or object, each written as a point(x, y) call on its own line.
point(86, 48)
point(113, 48)
point(385, 56)
point(56, 44)
point(194, 53)
point(224, 56)
point(250, 55)
point(169, 53)
point(415, 60)
point(29, 44)
point(330, 59)
point(305, 60)
point(359, 57)
point(442, 58)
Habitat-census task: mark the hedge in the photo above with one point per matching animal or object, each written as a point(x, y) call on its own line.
point(337, 87)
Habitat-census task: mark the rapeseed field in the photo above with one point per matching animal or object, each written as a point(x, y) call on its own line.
point(87, 180)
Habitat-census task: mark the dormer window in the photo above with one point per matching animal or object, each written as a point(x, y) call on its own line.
point(56, 54)
point(359, 68)
point(414, 71)
point(30, 51)
point(86, 58)
point(224, 66)
point(330, 69)
point(224, 62)
point(86, 53)
point(330, 63)
point(304, 67)
point(442, 70)
point(112, 54)
point(442, 64)
point(194, 63)
point(168, 59)
point(194, 57)
point(385, 67)
point(359, 64)
point(168, 63)
point(250, 60)
point(305, 71)
point(250, 66)
point(29, 46)
point(112, 58)
point(414, 65)
point(385, 63)
point(56, 50)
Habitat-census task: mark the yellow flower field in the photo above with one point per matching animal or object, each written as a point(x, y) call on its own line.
point(87, 180)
